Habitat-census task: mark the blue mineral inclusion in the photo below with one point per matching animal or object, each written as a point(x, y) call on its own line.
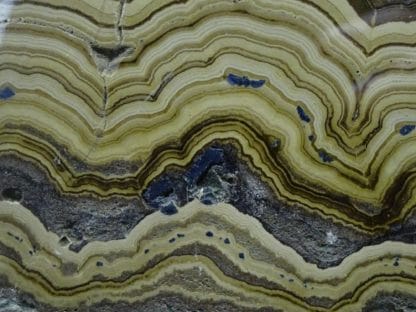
point(208, 197)
point(169, 209)
point(257, 83)
point(212, 156)
point(302, 115)
point(162, 193)
point(162, 187)
point(6, 93)
point(325, 156)
point(405, 130)
point(244, 81)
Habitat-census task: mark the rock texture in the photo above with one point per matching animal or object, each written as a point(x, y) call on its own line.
point(207, 155)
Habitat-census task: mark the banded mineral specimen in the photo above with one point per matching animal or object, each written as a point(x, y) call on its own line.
point(246, 155)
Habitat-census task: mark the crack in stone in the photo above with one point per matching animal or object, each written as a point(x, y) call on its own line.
point(119, 28)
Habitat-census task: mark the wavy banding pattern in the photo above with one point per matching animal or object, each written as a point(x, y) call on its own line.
point(118, 269)
point(243, 155)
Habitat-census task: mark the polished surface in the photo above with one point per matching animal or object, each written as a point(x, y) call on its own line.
point(214, 155)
